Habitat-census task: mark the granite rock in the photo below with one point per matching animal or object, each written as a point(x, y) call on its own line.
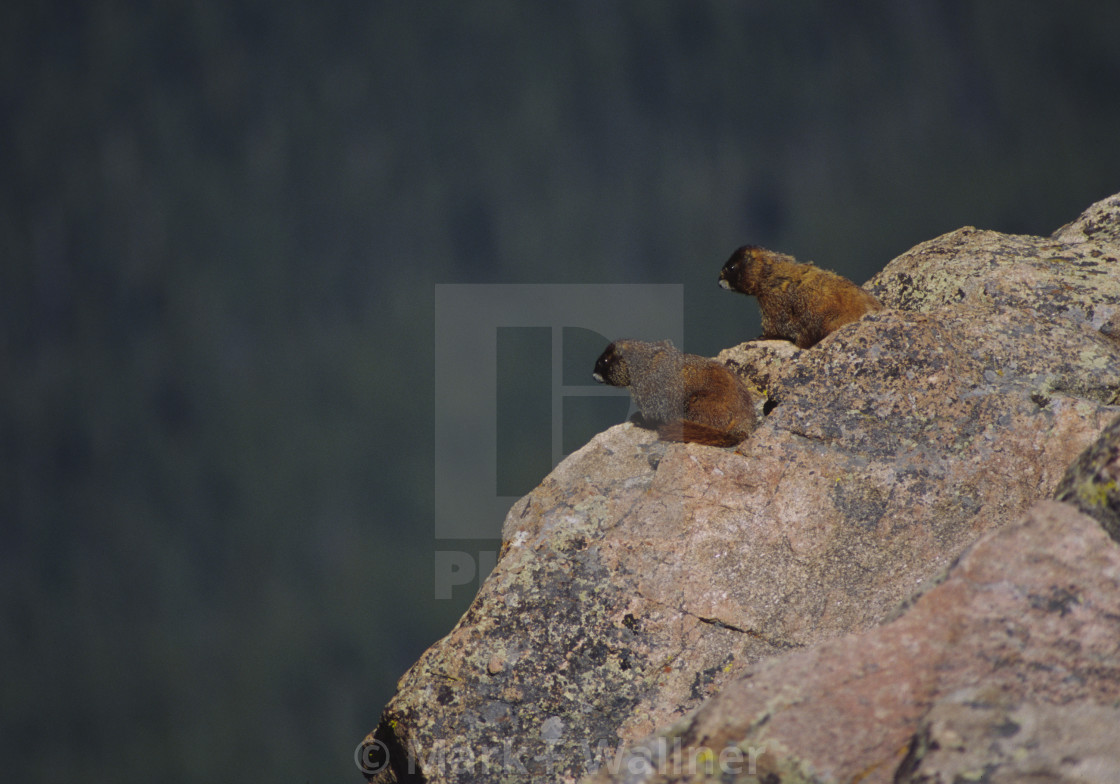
point(642, 577)
point(999, 673)
point(1091, 483)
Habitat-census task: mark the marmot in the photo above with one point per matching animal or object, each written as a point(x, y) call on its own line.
point(800, 302)
point(686, 397)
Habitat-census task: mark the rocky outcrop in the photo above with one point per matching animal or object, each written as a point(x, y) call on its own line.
point(1008, 670)
point(642, 577)
point(1070, 275)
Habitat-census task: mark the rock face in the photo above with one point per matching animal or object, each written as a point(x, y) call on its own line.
point(1090, 484)
point(1009, 668)
point(1071, 275)
point(642, 577)
point(967, 737)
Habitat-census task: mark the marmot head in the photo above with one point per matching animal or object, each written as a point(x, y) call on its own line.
point(745, 269)
point(612, 368)
point(750, 268)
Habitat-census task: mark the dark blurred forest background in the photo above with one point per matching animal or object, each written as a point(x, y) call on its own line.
point(221, 224)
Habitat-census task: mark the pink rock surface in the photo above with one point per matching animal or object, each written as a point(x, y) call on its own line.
point(1026, 624)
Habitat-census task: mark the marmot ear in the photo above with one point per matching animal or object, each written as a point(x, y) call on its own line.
point(665, 344)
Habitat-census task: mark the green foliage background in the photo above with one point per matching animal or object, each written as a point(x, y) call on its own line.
point(220, 228)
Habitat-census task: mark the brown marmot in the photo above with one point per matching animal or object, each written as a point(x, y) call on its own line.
point(800, 302)
point(686, 397)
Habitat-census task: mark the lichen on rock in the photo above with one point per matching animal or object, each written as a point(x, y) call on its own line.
point(1091, 483)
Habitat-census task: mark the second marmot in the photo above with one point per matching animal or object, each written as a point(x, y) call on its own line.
point(686, 397)
point(801, 303)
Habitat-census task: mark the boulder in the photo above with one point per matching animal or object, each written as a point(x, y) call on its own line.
point(1070, 275)
point(642, 577)
point(1008, 670)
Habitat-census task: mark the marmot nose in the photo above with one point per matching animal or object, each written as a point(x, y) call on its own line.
point(724, 283)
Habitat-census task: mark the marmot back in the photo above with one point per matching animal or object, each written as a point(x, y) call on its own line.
point(801, 303)
point(686, 397)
